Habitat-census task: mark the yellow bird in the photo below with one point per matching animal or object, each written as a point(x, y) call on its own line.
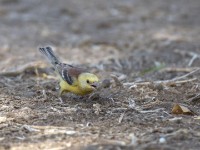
point(72, 79)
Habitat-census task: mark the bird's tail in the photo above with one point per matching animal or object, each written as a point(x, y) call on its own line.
point(48, 52)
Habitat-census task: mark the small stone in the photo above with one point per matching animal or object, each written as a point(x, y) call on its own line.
point(162, 140)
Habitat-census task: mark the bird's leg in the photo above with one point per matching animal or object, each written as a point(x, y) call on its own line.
point(60, 95)
point(61, 92)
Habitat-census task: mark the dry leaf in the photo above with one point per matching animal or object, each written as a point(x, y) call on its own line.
point(178, 109)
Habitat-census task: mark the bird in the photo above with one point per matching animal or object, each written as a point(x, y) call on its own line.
point(72, 79)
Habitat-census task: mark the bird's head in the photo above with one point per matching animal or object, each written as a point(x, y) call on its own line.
point(88, 82)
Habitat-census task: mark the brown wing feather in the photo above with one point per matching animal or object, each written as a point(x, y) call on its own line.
point(69, 73)
point(75, 72)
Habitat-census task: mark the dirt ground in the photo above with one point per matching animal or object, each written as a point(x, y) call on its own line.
point(149, 50)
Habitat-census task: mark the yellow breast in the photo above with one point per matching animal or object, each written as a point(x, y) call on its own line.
point(72, 88)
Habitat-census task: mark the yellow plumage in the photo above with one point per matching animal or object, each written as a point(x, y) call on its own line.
point(80, 86)
point(72, 79)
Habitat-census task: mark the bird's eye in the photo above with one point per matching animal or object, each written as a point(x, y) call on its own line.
point(88, 81)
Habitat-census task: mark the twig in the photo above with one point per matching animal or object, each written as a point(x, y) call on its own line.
point(169, 69)
point(188, 74)
point(135, 84)
point(194, 55)
point(175, 133)
point(192, 59)
point(182, 52)
point(121, 117)
point(185, 81)
point(175, 80)
point(194, 99)
point(30, 128)
point(151, 111)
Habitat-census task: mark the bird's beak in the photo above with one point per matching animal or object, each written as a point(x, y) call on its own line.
point(94, 85)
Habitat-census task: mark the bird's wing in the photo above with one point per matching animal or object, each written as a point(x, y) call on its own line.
point(69, 73)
